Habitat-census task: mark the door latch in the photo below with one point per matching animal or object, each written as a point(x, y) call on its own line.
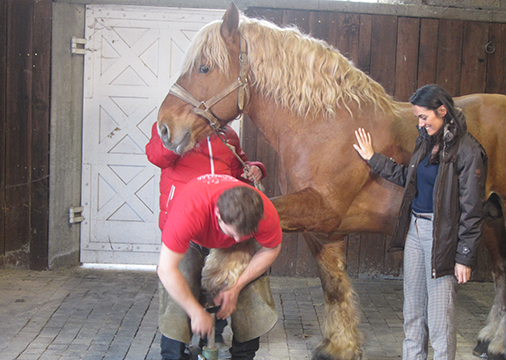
point(75, 215)
point(78, 45)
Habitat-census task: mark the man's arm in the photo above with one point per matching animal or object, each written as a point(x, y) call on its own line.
point(178, 289)
point(259, 263)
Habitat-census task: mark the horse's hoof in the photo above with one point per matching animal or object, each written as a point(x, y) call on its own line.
point(322, 353)
point(480, 349)
point(494, 356)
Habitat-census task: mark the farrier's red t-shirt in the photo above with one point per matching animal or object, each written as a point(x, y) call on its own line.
point(192, 217)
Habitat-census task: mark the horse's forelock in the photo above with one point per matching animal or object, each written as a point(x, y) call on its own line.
point(207, 44)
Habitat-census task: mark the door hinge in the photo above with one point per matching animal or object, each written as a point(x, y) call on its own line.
point(78, 46)
point(75, 215)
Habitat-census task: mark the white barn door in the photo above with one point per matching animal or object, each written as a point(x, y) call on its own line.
point(133, 57)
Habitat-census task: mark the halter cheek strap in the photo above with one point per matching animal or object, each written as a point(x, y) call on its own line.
point(244, 94)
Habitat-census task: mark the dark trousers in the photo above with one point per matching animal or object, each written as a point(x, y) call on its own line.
point(219, 326)
point(175, 350)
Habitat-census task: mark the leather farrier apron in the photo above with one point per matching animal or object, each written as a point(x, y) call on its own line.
point(255, 313)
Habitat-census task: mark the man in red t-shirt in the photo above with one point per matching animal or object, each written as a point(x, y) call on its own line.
point(209, 156)
point(218, 211)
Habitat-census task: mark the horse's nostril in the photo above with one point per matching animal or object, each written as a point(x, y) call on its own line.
point(164, 133)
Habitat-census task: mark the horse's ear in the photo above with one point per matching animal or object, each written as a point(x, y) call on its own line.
point(230, 25)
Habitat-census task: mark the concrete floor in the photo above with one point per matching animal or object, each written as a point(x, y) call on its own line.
point(108, 314)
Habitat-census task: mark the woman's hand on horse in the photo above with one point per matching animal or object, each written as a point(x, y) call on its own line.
point(202, 323)
point(228, 301)
point(364, 147)
point(254, 174)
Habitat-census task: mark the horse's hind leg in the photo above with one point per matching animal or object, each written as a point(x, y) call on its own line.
point(491, 337)
point(341, 336)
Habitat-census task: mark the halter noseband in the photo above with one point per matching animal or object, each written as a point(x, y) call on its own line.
point(203, 108)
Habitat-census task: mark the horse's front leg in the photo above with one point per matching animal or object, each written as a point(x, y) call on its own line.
point(306, 210)
point(341, 337)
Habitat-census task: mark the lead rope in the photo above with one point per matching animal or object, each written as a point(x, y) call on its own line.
point(221, 135)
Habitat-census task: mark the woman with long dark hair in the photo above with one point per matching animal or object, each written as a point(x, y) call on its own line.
point(440, 219)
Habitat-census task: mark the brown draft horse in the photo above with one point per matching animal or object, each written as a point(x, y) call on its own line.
point(307, 99)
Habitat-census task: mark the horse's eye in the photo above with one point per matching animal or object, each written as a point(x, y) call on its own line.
point(203, 69)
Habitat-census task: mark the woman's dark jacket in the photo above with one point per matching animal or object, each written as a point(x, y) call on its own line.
point(459, 195)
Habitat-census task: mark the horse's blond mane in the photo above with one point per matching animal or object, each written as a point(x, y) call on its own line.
point(299, 72)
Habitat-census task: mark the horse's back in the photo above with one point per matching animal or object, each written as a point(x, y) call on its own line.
point(486, 120)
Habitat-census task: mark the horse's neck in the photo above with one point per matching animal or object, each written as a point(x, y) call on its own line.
point(402, 128)
point(271, 119)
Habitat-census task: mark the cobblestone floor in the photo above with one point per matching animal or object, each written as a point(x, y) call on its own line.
point(107, 314)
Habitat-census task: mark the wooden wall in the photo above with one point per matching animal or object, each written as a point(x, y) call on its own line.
point(25, 48)
point(402, 54)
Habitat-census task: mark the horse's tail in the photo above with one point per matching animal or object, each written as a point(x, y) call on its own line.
point(493, 207)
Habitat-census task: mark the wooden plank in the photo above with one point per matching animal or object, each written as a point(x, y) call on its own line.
point(249, 139)
point(344, 32)
point(372, 249)
point(364, 51)
point(427, 55)
point(496, 59)
point(299, 18)
point(256, 148)
point(39, 215)
point(353, 255)
point(406, 67)
point(363, 62)
point(18, 128)
point(267, 155)
point(306, 264)
point(474, 65)
point(383, 43)
point(319, 25)
point(449, 54)
point(393, 262)
point(491, 230)
point(286, 263)
point(3, 115)
point(272, 15)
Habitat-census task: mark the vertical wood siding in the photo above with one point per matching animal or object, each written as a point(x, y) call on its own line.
point(24, 73)
point(402, 54)
point(3, 101)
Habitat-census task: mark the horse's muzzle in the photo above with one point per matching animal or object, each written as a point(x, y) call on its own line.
point(177, 146)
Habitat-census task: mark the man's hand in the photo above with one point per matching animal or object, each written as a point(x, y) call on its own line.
point(228, 301)
point(178, 289)
point(202, 323)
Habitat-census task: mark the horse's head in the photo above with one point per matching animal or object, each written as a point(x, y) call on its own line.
point(212, 88)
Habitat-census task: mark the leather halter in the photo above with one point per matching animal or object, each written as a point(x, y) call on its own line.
point(203, 108)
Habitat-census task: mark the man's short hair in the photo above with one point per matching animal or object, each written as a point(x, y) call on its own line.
point(242, 208)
